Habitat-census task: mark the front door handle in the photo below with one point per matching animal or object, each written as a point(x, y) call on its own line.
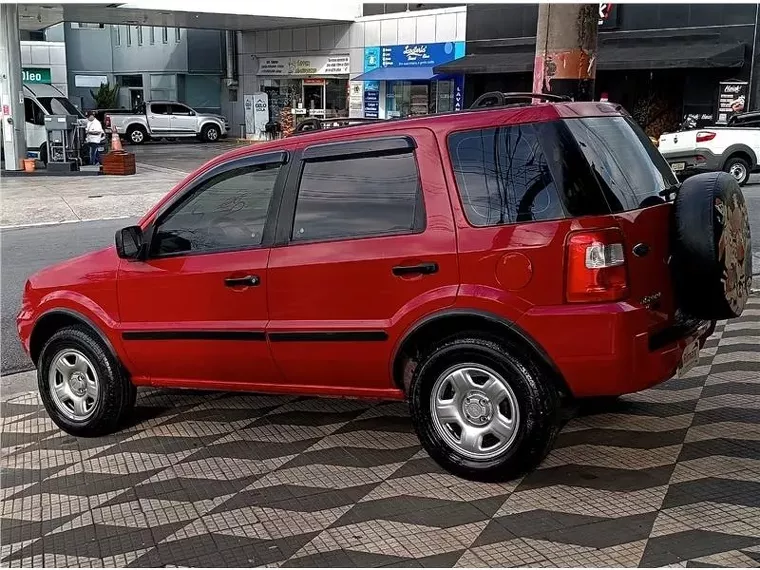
point(421, 269)
point(247, 281)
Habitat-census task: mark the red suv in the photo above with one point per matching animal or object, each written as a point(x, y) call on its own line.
point(485, 265)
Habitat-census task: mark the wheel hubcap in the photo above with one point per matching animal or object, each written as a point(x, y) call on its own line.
point(137, 136)
point(738, 172)
point(73, 384)
point(212, 134)
point(475, 411)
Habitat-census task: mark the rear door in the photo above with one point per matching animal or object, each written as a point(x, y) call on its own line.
point(159, 119)
point(636, 183)
point(365, 246)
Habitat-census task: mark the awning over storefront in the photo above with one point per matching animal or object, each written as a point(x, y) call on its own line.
point(398, 74)
point(612, 57)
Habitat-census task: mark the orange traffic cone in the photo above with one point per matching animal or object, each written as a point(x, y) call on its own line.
point(115, 140)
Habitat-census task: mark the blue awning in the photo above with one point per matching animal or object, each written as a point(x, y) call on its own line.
point(398, 74)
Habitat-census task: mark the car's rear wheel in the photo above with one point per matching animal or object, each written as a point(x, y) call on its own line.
point(84, 389)
point(482, 409)
point(738, 168)
point(712, 251)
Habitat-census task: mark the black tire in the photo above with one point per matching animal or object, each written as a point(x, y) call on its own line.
point(712, 255)
point(537, 399)
point(116, 393)
point(211, 133)
point(137, 135)
point(738, 168)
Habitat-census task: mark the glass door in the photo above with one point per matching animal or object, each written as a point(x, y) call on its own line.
point(314, 98)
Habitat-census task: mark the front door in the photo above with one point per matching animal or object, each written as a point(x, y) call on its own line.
point(183, 119)
point(360, 256)
point(195, 312)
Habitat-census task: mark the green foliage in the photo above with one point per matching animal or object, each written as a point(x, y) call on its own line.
point(106, 96)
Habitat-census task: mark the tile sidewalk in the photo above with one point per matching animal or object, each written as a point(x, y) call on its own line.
point(50, 200)
point(666, 477)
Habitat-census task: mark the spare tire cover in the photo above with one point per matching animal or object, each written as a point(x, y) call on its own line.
point(712, 257)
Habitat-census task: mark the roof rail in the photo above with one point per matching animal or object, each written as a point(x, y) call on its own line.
point(499, 99)
point(314, 124)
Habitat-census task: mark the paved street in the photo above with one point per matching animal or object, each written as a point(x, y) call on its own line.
point(670, 476)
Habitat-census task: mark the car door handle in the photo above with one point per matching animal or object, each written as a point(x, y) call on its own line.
point(421, 269)
point(247, 281)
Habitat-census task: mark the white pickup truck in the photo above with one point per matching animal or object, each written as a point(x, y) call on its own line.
point(734, 149)
point(167, 119)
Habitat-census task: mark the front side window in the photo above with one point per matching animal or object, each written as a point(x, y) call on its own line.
point(181, 110)
point(159, 109)
point(503, 176)
point(227, 212)
point(59, 106)
point(32, 113)
point(358, 197)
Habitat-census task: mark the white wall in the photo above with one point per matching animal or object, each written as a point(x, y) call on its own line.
point(50, 55)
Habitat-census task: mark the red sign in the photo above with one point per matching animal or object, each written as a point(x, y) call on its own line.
point(6, 110)
point(313, 81)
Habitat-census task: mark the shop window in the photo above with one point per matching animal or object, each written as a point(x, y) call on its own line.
point(336, 97)
point(358, 197)
point(503, 176)
point(407, 98)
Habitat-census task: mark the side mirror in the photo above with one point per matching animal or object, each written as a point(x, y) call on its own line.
point(129, 242)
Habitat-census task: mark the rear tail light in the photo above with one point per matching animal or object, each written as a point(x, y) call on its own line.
point(704, 136)
point(596, 267)
point(108, 120)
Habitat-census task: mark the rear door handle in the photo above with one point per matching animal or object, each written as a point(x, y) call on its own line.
point(247, 281)
point(427, 268)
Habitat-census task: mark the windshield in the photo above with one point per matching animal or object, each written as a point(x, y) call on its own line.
point(632, 173)
point(59, 106)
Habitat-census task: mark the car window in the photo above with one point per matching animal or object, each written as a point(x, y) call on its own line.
point(32, 112)
point(227, 212)
point(358, 197)
point(159, 109)
point(630, 170)
point(503, 176)
point(180, 110)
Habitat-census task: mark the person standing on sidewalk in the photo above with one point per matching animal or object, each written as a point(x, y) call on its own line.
point(95, 136)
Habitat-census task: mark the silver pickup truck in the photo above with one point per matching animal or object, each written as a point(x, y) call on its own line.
point(167, 119)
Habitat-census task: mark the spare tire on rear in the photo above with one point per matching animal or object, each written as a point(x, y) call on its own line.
point(712, 257)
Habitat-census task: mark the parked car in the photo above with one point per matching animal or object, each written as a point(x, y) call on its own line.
point(100, 115)
point(168, 119)
point(487, 266)
point(734, 149)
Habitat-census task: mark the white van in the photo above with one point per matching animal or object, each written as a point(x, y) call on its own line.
point(40, 100)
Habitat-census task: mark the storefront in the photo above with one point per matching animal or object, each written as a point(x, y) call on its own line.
point(399, 81)
point(315, 85)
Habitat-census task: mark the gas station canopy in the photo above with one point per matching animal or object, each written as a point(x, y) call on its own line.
point(217, 15)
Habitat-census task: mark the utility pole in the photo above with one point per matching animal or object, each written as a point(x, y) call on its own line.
point(566, 44)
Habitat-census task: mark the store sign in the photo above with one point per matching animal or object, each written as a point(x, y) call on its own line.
point(355, 99)
point(305, 65)
point(90, 80)
point(412, 55)
point(458, 92)
point(371, 104)
point(35, 75)
point(732, 99)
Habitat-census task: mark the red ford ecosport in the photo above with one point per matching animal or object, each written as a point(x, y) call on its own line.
point(484, 265)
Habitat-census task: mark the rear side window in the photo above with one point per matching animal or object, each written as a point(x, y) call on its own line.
point(503, 176)
point(358, 197)
point(627, 166)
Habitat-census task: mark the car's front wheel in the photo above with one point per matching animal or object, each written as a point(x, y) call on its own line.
point(84, 389)
point(210, 133)
point(483, 409)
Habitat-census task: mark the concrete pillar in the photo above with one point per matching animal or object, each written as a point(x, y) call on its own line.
point(566, 44)
point(11, 89)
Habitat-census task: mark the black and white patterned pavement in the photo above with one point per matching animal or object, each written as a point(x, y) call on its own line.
point(666, 477)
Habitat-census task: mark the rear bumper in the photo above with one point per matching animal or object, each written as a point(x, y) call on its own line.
point(693, 162)
point(608, 350)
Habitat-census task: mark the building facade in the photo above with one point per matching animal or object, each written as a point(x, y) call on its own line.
point(399, 51)
point(44, 62)
point(147, 62)
point(660, 61)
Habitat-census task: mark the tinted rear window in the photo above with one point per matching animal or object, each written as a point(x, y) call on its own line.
point(631, 172)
